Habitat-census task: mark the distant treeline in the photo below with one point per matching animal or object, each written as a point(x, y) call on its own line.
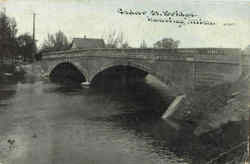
point(14, 47)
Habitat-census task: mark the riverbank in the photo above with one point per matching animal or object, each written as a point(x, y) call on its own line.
point(213, 112)
point(11, 72)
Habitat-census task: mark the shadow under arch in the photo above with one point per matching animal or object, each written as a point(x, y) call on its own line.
point(137, 66)
point(67, 72)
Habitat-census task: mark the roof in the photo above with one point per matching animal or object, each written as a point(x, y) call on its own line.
point(87, 43)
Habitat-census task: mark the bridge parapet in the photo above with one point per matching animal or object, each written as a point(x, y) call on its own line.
point(217, 55)
point(158, 51)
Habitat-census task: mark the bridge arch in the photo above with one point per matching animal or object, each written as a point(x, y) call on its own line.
point(73, 65)
point(133, 65)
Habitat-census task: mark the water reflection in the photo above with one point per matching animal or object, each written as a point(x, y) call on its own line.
point(138, 113)
point(7, 91)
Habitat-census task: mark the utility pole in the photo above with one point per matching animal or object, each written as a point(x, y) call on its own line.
point(34, 26)
point(34, 33)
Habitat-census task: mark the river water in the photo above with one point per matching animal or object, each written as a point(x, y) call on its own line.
point(53, 124)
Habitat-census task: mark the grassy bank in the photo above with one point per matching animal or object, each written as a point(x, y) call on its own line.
point(220, 116)
point(209, 108)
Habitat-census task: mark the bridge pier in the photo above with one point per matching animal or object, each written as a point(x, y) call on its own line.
point(85, 84)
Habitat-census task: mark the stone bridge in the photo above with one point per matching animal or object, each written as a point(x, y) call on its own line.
point(181, 68)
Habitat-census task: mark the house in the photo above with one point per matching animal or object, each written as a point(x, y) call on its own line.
point(85, 43)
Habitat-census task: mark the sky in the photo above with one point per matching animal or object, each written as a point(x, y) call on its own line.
point(97, 18)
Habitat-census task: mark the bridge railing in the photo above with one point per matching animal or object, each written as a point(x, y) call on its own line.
point(153, 51)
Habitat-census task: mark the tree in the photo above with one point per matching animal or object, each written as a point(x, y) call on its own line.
point(8, 41)
point(115, 39)
point(143, 44)
point(26, 46)
point(167, 43)
point(125, 45)
point(56, 42)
